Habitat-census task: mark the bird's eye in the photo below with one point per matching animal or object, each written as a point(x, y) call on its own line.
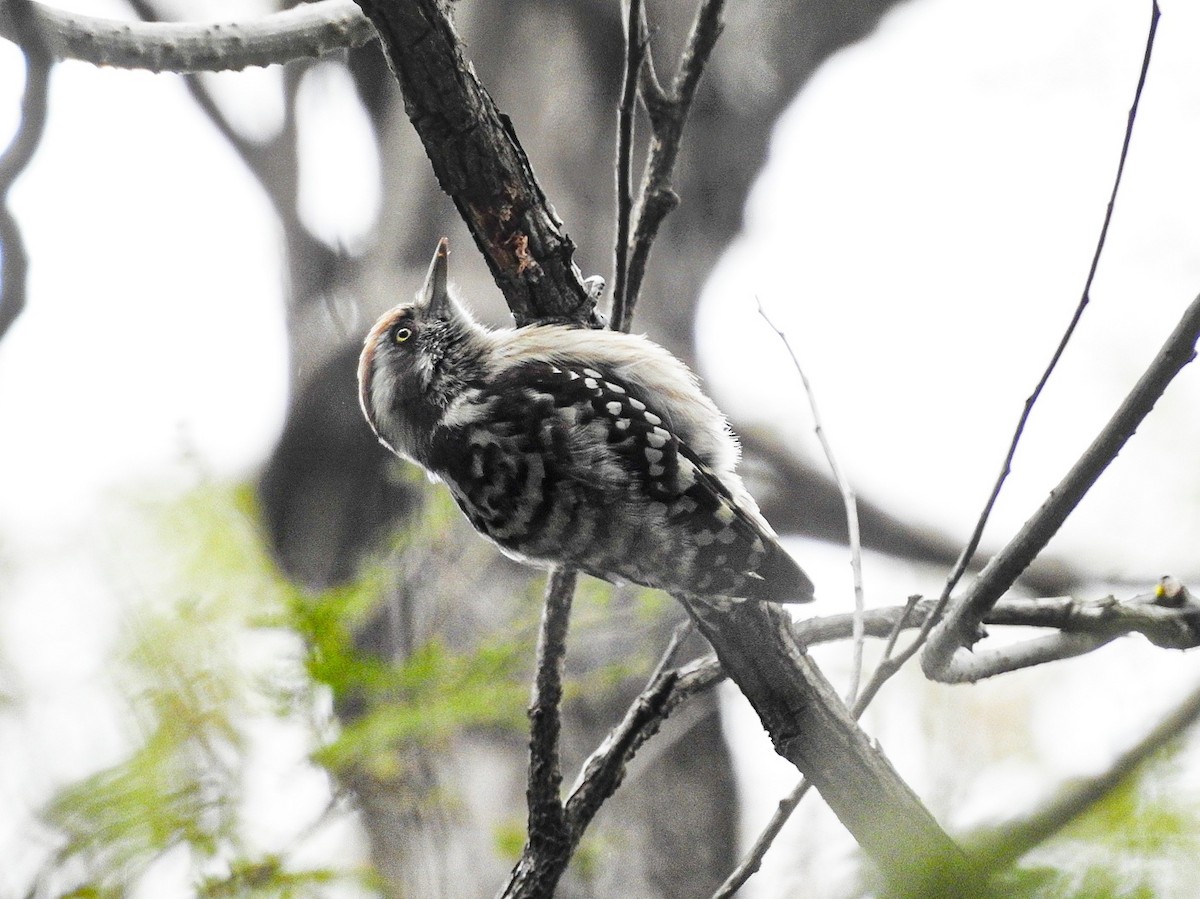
point(402, 334)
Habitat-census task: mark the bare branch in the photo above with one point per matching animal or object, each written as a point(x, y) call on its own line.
point(481, 165)
point(548, 847)
point(960, 627)
point(849, 501)
point(749, 865)
point(635, 53)
point(811, 728)
point(605, 768)
point(753, 860)
point(968, 553)
point(14, 262)
point(1164, 625)
point(681, 632)
point(306, 30)
point(977, 666)
point(668, 115)
point(1162, 621)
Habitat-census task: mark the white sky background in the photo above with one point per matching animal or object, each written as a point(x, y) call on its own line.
point(923, 231)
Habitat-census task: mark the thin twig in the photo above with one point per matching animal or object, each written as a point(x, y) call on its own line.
point(304, 31)
point(14, 260)
point(753, 860)
point(605, 768)
point(682, 631)
point(889, 664)
point(654, 98)
point(901, 623)
point(968, 553)
point(849, 501)
point(635, 52)
point(668, 115)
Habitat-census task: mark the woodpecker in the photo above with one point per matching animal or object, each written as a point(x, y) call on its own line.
point(591, 449)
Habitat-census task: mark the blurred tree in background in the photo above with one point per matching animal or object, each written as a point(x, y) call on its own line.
point(419, 631)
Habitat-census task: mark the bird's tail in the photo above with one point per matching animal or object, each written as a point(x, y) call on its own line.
point(782, 579)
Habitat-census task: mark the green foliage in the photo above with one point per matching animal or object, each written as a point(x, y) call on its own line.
point(426, 700)
point(1141, 841)
point(508, 838)
point(266, 877)
point(326, 622)
point(192, 671)
point(1143, 816)
point(193, 675)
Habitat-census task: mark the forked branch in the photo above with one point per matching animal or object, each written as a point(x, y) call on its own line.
point(959, 630)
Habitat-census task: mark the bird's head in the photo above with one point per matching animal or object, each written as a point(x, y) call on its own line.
point(416, 359)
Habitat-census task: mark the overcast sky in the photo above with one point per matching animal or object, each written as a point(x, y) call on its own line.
point(923, 231)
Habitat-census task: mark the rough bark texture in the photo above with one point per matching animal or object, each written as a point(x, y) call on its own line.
point(480, 165)
point(811, 728)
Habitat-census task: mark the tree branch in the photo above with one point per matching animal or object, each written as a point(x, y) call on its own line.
point(849, 502)
point(480, 164)
point(1165, 625)
point(304, 31)
point(968, 553)
point(605, 768)
point(668, 115)
point(811, 728)
point(750, 865)
point(635, 53)
point(549, 844)
point(960, 627)
point(1162, 621)
point(14, 262)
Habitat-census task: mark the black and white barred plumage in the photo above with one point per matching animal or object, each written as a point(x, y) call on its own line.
point(592, 449)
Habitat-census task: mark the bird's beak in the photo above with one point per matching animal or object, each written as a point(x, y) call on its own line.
point(435, 297)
